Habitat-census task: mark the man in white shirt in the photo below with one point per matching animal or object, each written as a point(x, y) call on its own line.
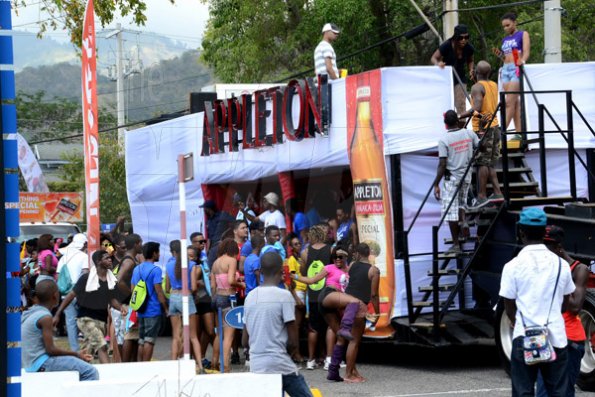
point(77, 262)
point(325, 59)
point(271, 216)
point(527, 287)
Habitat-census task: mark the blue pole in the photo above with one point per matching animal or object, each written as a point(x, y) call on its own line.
point(10, 287)
point(220, 331)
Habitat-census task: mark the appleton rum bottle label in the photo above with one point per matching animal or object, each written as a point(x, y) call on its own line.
point(370, 188)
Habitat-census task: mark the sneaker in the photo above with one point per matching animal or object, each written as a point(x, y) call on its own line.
point(311, 365)
point(479, 203)
point(343, 364)
point(454, 250)
point(235, 358)
point(496, 198)
point(247, 363)
point(327, 362)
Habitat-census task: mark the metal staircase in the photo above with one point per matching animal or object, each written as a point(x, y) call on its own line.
point(442, 325)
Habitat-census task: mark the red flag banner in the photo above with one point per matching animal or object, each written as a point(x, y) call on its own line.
point(91, 136)
point(370, 186)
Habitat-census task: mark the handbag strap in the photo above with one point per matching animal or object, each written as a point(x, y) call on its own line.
point(553, 296)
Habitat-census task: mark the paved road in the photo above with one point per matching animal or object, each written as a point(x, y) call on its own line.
point(399, 371)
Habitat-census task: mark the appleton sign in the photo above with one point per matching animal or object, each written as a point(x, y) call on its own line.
point(233, 118)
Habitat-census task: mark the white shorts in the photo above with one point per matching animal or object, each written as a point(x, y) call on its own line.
point(450, 187)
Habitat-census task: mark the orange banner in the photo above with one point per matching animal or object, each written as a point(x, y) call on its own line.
point(51, 207)
point(91, 136)
point(370, 186)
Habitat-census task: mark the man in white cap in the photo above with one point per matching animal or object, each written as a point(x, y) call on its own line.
point(75, 262)
point(325, 59)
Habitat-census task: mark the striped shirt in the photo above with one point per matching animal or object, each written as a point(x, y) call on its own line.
point(324, 50)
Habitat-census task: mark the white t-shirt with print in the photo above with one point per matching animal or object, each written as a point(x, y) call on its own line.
point(529, 279)
point(273, 218)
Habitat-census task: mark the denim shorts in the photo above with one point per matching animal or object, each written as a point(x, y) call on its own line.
point(175, 305)
point(148, 329)
point(509, 73)
point(222, 302)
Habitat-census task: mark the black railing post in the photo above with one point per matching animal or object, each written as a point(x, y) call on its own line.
point(407, 271)
point(435, 282)
point(504, 138)
point(570, 128)
point(542, 163)
point(522, 106)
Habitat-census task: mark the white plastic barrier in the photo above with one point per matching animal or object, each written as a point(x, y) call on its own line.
point(42, 383)
point(156, 378)
point(147, 370)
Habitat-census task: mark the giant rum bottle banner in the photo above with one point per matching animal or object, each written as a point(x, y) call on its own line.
point(370, 185)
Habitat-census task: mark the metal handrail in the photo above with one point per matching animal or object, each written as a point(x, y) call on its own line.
point(583, 118)
point(435, 279)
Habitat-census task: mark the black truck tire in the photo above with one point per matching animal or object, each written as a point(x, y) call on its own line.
point(503, 335)
point(586, 379)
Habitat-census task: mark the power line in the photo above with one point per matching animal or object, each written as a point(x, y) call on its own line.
point(108, 129)
point(135, 88)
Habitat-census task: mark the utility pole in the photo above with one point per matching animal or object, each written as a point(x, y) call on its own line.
point(119, 82)
point(451, 18)
point(552, 47)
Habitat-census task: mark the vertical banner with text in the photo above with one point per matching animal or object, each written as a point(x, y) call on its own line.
point(370, 185)
point(91, 135)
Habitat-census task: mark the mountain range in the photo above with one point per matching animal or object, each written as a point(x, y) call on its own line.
point(162, 87)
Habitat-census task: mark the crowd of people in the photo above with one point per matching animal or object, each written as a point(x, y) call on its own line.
point(114, 309)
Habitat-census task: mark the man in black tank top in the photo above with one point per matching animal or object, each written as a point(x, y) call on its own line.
point(134, 245)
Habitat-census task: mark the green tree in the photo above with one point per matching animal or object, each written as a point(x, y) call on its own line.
point(113, 197)
point(41, 119)
point(254, 40)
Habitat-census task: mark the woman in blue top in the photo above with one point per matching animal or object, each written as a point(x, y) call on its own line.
point(173, 285)
point(515, 51)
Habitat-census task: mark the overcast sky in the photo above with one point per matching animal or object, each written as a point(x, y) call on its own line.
point(184, 21)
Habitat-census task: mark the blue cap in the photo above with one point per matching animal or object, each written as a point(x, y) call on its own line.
point(533, 217)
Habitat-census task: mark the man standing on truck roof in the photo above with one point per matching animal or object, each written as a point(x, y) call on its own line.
point(325, 59)
point(536, 287)
point(455, 149)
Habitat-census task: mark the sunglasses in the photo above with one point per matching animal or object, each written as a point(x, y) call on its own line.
point(463, 37)
point(342, 257)
point(200, 241)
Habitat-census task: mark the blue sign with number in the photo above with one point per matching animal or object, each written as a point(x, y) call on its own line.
point(235, 317)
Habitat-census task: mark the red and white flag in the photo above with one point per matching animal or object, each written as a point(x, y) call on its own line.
point(91, 135)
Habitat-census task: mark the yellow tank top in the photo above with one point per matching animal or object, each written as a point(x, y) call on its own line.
point(490, 103)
